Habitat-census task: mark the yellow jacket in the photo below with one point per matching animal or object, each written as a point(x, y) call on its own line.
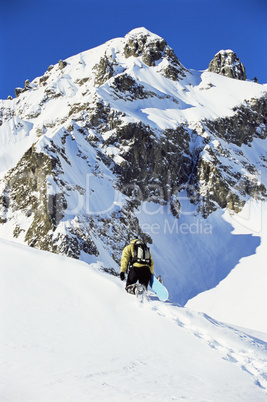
point(128, 251)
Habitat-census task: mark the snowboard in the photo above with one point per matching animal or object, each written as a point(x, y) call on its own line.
point(158, 288)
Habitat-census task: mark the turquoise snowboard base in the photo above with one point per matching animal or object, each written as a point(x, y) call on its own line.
point(159, 289)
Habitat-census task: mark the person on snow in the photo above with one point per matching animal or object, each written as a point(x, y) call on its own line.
point(140, 269)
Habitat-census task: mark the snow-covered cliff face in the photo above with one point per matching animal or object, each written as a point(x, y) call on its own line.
point(106, 132)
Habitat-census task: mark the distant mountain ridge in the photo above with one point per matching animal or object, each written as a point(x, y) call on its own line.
point(114, 130)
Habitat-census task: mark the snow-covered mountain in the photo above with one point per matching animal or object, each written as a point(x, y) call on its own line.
point(123, 141)
point(71, 333)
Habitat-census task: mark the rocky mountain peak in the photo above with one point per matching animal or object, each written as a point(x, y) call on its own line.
point(141, 42)
point(153, 49)
point(226, 62)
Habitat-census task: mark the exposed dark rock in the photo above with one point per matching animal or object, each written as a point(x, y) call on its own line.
point(125, 83)
point(6, 114)
point(211, 188)
point(153, 167)
point(27, 84)
point(62, 64)
point(142, 44)
point(151, 48)
point(99, 115)
point(213, 182)
point(103, 71)
point(174, 70)
point(19, 91)
point(74, 242)
point(82, 80)
point(227, 63)
point(249, 121)
point(43, 79)
point(26, 191)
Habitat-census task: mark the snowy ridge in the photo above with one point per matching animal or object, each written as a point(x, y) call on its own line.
point(71, 332)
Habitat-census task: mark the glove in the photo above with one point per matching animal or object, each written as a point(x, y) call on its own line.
point(122, 275)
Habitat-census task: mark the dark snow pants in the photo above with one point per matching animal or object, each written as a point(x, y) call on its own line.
point(141, 274)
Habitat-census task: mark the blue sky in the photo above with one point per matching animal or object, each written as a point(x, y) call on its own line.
point(37, 33)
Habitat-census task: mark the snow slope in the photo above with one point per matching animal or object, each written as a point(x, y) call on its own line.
point(240, 298)
point(71, 333)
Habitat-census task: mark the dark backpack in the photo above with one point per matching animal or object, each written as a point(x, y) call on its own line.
point(141, 253)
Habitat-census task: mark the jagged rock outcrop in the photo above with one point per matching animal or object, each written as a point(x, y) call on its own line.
point(19, 91)
point(140, 42)
point(249, 122)
point(152, 48)
point(104, 71)
point(61, 64)
point(214, 184)
point(227, 63)
point(214, 181)
point(149, 165)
